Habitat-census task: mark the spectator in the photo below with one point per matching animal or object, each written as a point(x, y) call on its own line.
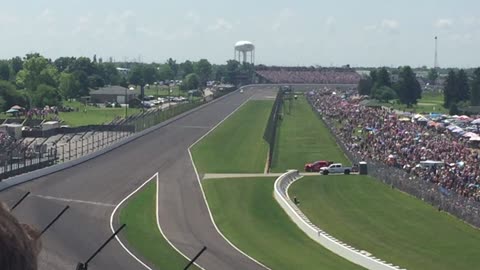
point(19, 244)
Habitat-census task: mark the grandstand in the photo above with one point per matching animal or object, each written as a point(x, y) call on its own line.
point(307, 75)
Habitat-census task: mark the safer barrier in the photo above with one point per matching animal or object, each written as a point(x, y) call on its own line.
point(352, 254)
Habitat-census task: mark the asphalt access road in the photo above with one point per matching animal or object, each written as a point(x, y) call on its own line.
point(93, 188)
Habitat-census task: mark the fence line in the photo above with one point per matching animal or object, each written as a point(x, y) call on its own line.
point(462, 207)
point(67, 144)
point(271, 129)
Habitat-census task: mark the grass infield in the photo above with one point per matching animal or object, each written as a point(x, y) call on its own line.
point(142, 232)
point(237, 145)
point(302, 138)
point(389, 224)
point(248, 215)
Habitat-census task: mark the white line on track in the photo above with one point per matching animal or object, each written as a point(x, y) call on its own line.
point(203, 192)
point(155, 176)
point(74, 201)
point(196, 127)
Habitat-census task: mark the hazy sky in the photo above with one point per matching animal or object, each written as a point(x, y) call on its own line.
point(302, 32)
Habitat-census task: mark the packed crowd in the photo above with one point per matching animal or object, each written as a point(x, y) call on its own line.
point(314, 76)
point(379, 134)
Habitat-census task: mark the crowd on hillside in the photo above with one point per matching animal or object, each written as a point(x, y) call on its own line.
point(313, 76)
point(379, 134)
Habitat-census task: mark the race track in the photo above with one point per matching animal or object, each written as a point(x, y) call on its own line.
point(95, 187)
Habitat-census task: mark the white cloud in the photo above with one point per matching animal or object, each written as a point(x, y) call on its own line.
point(330, 21)
point(443, 23)
point(220, 25)
point(389, 24)
point(386, 25)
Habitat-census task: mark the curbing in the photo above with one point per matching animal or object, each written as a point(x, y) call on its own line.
point(352, 254)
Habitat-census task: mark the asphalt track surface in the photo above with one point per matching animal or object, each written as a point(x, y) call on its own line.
point(93, 188)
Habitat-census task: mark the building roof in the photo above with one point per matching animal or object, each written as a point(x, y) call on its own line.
point(112, 90)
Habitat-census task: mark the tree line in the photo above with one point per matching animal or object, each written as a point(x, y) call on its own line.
point(379, 85)
point(36, 81)
point(461, 91)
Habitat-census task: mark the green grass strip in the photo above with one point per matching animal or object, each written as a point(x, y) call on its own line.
point(302, 138)
point(248, 215)
point(237, 145)
point(142, 232)
point(389, 224)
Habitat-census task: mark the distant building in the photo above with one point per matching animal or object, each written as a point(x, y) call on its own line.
point(112, 94)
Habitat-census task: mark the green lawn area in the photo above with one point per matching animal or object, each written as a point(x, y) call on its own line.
point(93, 115)
point(143, 234)
point(302, 138)
point(430, 102)
point(391, 225)
point(248, 215)
point(237, 145)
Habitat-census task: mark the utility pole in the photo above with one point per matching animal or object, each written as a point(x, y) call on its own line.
point(435, 62)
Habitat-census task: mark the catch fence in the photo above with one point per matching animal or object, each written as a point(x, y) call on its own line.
point(271, 129)
point(38, 149)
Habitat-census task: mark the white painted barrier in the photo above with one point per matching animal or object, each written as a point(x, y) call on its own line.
point(360, 257)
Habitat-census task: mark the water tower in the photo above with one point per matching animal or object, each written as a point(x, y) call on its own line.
point(242, 48)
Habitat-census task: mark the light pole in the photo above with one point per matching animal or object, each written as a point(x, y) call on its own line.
point(126, 100)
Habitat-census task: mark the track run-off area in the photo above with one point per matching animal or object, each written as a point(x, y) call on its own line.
point(195, 199)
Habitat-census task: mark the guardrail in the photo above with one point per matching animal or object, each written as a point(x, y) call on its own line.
point(352, 254)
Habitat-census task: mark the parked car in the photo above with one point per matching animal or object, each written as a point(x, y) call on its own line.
point(335, 168)
point(315, 166)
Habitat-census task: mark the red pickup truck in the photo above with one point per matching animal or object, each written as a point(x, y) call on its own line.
point(315, 166)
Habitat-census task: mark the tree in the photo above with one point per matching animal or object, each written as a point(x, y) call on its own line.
point(47, 95)
point(63, 63)
point(95, 81)
point(373, 75)
point(408, 89)
point(4, 71)
point(463, 88)
point(10, 96)
point(203, 69)
point(17, 64)
point(231, 73)
point(384, 94)
point(82, 78)
point(173, 66)
point(109, 73)
point(365, 86)
point(82, 64)
point(432, 75)
point(136, 75)
point(68, 85)
point(150, 74)
point(165, 73)
point(475, 88)
point(186, 68)
point(191, 81)
point(36, 70)
point(383, 78)
point(449, 90)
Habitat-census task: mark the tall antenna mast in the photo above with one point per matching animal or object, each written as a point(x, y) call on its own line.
point(435, 64)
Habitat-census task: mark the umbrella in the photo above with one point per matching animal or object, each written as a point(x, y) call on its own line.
point(422, 119)
point(404, 119)
point(16, 107)
point(476, 121)
point(12, 111)
point(470, 135)
point(475, 139)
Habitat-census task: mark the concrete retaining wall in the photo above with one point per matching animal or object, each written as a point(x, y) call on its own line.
point(352, 254)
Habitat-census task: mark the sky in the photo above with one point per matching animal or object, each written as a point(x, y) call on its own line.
point(291, 33)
